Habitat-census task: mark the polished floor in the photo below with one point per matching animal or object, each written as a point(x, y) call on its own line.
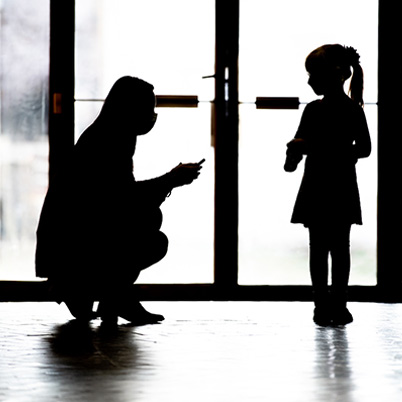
point(203, 351)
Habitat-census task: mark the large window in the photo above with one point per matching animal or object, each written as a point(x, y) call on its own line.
point(171, 45)
point(275, 38)
point(24, 72)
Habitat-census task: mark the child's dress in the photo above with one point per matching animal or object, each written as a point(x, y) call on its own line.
point(335, 135)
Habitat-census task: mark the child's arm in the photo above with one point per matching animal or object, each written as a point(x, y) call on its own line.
point(362, 145)
point(298, 146)
point(294, 154)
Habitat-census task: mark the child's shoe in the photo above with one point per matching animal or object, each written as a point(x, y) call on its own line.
point(342, 316)
point(322, 311)
point(322, 316)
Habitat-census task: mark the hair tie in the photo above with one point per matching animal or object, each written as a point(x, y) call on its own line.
point(352, 56)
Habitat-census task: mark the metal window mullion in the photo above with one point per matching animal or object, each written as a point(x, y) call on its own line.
point(61, 82)
point(389, 145)
point(226, 143)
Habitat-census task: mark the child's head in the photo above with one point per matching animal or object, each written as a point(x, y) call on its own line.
point(333, 63)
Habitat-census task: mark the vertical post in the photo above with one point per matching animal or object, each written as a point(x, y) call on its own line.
point(389, 148)
point(226, 143)
point(61, 82)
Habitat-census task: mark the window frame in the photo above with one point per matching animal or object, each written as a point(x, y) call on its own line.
point(226, 118)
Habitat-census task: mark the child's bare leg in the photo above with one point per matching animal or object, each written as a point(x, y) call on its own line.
point(340, 253)
point(319, 252)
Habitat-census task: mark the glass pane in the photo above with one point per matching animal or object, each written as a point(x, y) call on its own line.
point(168, 43)
point(188, 213)
point(24, 49)
point(275, 39)
point(171, 45)
point(271, 249)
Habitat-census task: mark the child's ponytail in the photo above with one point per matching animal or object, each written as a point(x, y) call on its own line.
point(356, 83)
point(338, 59)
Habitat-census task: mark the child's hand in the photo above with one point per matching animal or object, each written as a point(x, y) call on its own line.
point(294, 154)
point(292, 160)
point(297, 145)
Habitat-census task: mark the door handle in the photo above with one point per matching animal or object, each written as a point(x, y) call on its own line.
point(277, 103)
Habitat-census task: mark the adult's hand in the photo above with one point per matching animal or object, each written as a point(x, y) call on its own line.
point(184, 173)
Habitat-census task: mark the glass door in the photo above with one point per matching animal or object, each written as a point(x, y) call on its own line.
point(24, 75)
point(171, 45)
point(275, 38)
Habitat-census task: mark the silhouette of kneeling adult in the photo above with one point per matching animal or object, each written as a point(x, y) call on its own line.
point(99, 227)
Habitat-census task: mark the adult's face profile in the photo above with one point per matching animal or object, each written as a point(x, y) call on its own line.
point(146, 118)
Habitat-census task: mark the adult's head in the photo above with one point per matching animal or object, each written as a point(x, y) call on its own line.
point(130, 106)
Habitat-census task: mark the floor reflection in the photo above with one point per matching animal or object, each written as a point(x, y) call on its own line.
point(106, 362)
point(205, 351)
point(332, 353)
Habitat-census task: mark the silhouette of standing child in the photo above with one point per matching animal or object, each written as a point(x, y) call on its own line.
point(333, 134)
point(99, 227)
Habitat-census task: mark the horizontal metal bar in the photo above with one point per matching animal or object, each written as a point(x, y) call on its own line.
point(261, 102)
point(20, 291)
point(88, 100)
point(277, 103)
point(161, 100)
point(176, 100)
